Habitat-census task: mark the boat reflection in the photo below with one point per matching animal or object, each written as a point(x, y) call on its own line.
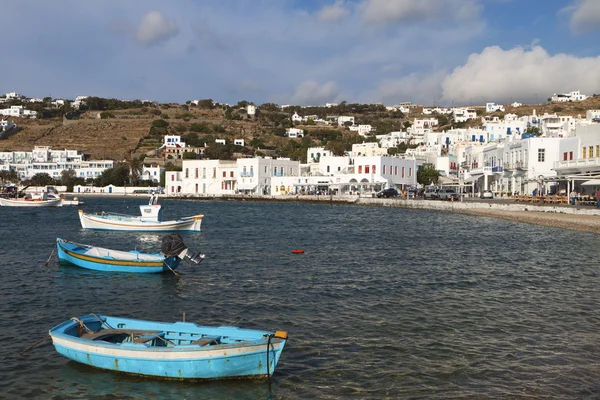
point(78, 381)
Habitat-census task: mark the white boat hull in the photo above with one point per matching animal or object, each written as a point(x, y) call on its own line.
point(111, 222)
point(30, 203)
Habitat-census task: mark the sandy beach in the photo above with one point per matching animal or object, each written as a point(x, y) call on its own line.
point(588, 223)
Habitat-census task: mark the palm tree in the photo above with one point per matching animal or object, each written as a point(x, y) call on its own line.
point(136, 166)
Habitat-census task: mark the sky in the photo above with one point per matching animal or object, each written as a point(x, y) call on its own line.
point(302, 52)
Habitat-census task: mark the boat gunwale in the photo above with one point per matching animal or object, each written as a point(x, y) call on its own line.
point(105, 261)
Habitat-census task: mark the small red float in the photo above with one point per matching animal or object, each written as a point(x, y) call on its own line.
point(297, 251)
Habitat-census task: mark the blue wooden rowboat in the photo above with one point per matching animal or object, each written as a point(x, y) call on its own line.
point(101, 259)
point(178, 350)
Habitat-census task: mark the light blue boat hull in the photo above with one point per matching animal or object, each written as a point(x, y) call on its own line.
point(242, 352)
point(72, 254)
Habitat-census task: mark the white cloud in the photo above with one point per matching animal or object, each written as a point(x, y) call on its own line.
point(155, 28)
point(498, 75)
point(333, 13)
point(416, 87)
point(585, 16)
point(312, 93)
point(413, 11)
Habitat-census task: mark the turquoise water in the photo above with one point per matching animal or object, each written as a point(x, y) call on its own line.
point(384, 303)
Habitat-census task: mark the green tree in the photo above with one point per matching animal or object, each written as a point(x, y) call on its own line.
point(7, 177)
point(427, 174)
point(41, 179)
point(160, 123)
point(67, 178)
point(189, 155)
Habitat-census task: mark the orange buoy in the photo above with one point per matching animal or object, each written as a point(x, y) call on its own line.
point(298, 251)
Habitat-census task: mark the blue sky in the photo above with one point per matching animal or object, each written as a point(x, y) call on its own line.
point(443, 52)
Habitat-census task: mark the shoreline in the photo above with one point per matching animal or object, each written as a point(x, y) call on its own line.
point(559, 216)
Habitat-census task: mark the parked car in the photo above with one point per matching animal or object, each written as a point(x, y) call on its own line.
point(431, 193)
point(447, 194)
point(487, 194)
point(389, 192)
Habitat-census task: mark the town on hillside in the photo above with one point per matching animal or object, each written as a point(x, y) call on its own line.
point(207, 148)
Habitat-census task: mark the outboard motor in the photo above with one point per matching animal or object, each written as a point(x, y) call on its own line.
point(173, 246)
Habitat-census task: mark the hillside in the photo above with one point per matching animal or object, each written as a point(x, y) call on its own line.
point(132, 131)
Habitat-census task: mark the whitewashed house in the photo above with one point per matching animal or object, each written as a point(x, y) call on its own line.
point(341, 120)
point(463, 114)
point(202, 177)
point(529, 162)
point(567, 97)
point(173, 141)
point(370, 149)
point(6, 125)
point(221, 141)
point(296, 117)
point(294, 133)
point(151, 173)
point(314, 154)
point(392, 139)
point(19, 112)
point(492, 107)
point(238, 142)
point(362, 130)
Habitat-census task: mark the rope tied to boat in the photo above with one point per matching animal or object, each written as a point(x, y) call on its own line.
point(81, 328)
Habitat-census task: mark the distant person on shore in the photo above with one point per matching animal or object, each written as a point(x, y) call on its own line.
point(598, 198)
point(573, 196)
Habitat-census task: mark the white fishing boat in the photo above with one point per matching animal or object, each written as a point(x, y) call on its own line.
point(65, 202)
point(31, 200)
point(150, 220)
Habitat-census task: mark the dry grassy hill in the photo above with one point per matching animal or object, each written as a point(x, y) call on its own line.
point(130, 130)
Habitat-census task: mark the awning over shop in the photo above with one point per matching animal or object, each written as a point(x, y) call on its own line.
point(246, 186)
point(591, 182)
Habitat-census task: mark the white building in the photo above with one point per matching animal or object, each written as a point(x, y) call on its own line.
point(492, 107)
point(463, 114)
point(592, 115)
point(362, 130)
point(151, 173)
point(251, 110)
point(238, 142)
point(314, 154)
point(220, 141)
point(18, 111)
point(370, 149)
point(392, 139)
point(171, 141)
point(294, 133)
point(341, 120)
point(528, 162)
point(516, 104)
point(218, 177)
point(45, 160)
point(13, 96)
point(566, 97)
point(296, 117)
point(6, 125)
point(329, 105)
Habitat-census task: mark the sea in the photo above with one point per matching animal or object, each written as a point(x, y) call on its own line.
point(384, 303)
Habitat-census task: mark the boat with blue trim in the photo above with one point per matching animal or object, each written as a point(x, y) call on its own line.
point(150, 220)
point(101, 259)
point(171, 350)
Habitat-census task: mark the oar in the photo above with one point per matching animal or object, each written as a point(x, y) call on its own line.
point(172, 270)
point(34, 345)
point(49, 257)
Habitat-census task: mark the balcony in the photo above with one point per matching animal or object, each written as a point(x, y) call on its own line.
point(245, 174)
point(575, 165)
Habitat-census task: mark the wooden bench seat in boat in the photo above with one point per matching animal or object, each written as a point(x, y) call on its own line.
point(139, 336)
point(206, 340)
